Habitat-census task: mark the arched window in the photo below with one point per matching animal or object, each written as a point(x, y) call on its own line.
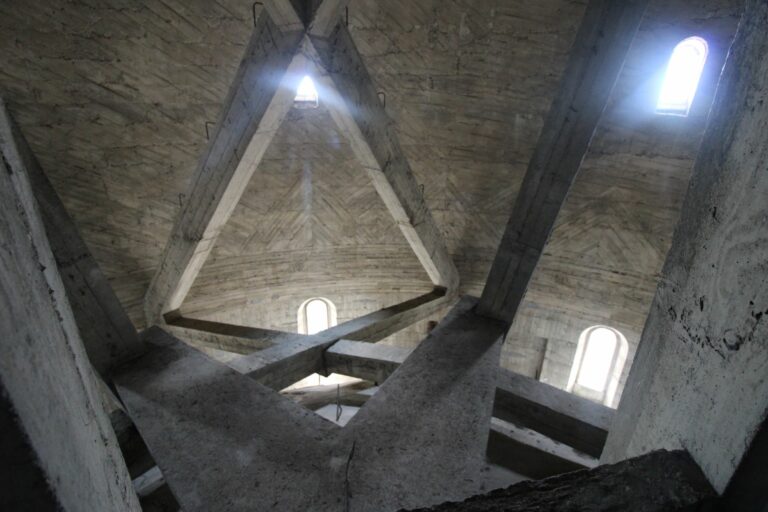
point(306, 94)
point(597, 366)
point(682, 78)
point(315, 315)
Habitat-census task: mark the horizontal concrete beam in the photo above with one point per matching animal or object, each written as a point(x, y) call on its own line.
point(364, 360)
point(232, 338)
point(532, 454)
point(283, 364)
point(561, 416)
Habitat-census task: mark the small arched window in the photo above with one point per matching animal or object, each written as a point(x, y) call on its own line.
point(597, 366)
point(315, 315)
point(682, 77)
point(306, 94)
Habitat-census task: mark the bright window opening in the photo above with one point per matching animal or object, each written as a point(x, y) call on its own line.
point(317, 316)
point(598, 356)
point(598, 364)
point(682, 78)
point(306, 94)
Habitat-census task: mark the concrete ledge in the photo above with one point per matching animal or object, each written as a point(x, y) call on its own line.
point(661, 481)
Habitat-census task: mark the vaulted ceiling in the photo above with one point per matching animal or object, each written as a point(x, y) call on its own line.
point(115, 96)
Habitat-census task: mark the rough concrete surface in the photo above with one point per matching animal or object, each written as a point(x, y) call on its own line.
point(227, 443)
point(44, 368)
point(700, 380)
point(661, 481)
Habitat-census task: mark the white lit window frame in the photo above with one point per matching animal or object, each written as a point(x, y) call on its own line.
point(607, 395)
point(665, 105)
point(303, 320)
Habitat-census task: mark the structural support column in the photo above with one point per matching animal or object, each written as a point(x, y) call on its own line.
point(598, 54)
point(106, 330)
point(45, 376)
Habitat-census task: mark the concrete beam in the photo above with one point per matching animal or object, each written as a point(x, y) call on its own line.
point(425, 431)
point(107, 332)
point(286, 363)
point(235, 445)
point(352, 99)
point(530, 453)
point(327, 15)
point(260, 98)
point(598, 54)
point(49, 389)
point(561, 416)
point(364, 360)
point(231, 338)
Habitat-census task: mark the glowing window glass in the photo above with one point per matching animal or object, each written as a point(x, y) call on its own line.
point(598, 359)
point(598, 364)
point(317, 316)
point(682, 78)
point(306, 94)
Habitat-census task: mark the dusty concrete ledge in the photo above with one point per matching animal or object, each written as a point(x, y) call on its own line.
point(660, 481)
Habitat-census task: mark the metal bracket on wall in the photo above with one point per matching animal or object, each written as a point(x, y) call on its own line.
point(253, 9)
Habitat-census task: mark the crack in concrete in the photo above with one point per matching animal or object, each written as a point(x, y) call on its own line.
point(347, 493)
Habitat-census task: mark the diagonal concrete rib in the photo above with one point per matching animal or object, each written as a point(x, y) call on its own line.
point(107, 332)
point(254, 109)
point(223, 441)
point(422, 437)
point(597, 56)
point(353, 102)
point(260, 98)
point(227, 443)
point(561, 416)
point(348, 91)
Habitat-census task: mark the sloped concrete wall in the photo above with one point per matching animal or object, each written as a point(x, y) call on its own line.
point(700, 379)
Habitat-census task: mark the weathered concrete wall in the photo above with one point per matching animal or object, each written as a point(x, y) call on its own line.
point(44, 369)
point(700, 380)
point(603, 259)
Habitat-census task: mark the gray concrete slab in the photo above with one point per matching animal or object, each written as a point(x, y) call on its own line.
point(657, 482)
point(225, 442)
point(421, 438)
